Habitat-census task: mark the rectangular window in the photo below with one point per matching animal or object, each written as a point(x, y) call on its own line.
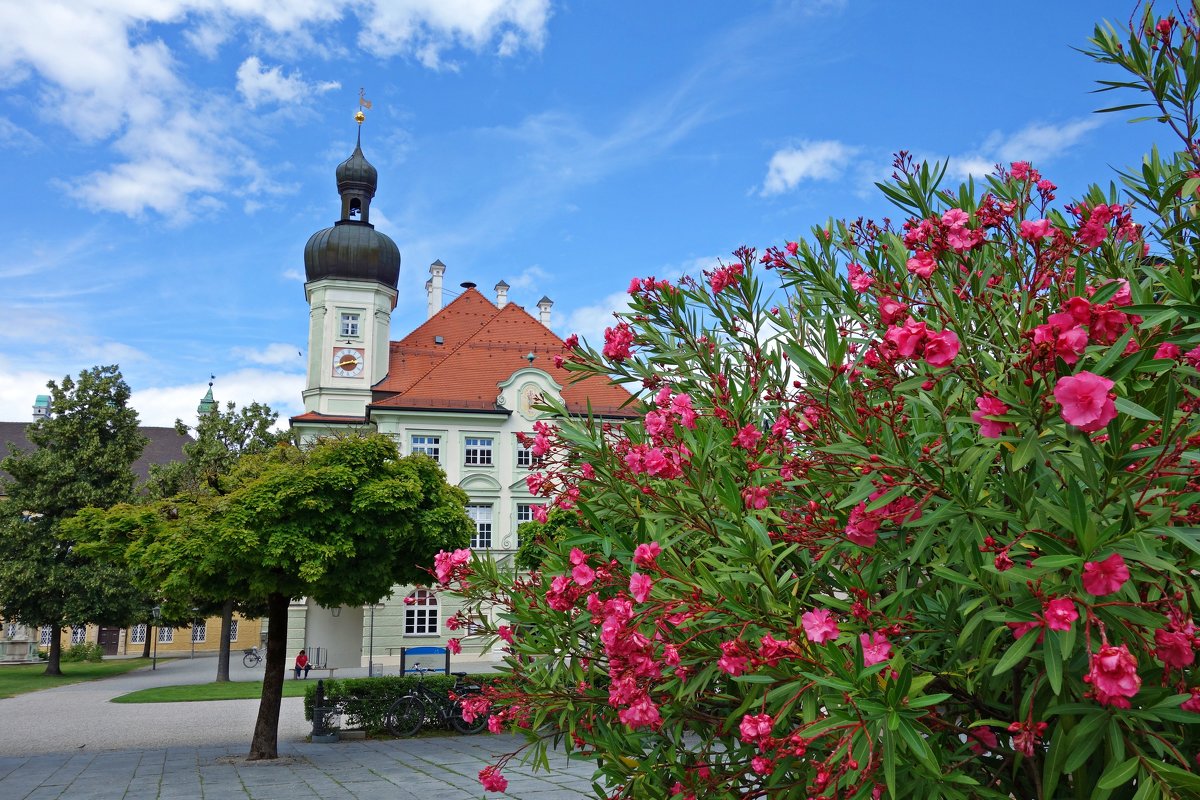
point(482, 516)
point(475, 626)
point(478, 452)
point(10, 630)
point(525, 512)
point(233, 631)
point(44, 635)
point(137, 634)
point(350, 325)
point(421, 613)
point(429, 445)
point(78, 634)
point(166, 635)
point(199, 632)
point(526, 459)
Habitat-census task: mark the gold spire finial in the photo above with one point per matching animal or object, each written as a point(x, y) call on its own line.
point(363, 102)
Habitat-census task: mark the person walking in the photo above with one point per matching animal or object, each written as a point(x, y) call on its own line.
point(302, 664)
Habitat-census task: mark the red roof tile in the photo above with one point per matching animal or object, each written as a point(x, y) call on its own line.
point(333, 419)
point(482, 346)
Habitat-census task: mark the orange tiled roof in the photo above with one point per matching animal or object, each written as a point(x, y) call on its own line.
point(482, 346)
point(333, 419)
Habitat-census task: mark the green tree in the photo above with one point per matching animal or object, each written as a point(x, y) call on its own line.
point(341, 522)
point(81, 456)
point(220, 438)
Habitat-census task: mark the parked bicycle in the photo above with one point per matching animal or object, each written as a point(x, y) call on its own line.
point(424, 706)
point(252, 657)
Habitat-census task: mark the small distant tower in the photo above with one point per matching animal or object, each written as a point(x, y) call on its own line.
point(41, 407)
point(208, 405)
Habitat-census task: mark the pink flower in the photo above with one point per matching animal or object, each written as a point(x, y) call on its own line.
point(1019, 629)
point(540, 513)
point(492, 780)
point(819, 625)
point(755, 497)
point(859, 280)
point(1174, 648)
point(990, 407)
point(454, 646)
point(644, 555)
point(583, 575)
point(1113, 676)
point(496, 725)
point(1105, 577)
point(446, 565)
point(1059, 613)
point(955, 218)
point(876, 648)
point(1085, 400)
point(1019, 170)
point(747, 437)
point(639, 586)
point(941, 348)
point(1167, 350)
point(755, 727)
point(641, 714)
point(733, 658)
point(618, 342)
point(890, 310)
point(762, 765)
point(922, 264)
point(505, 633)
point(1035, 229)
point(862, 528)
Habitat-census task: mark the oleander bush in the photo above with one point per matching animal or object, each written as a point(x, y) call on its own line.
point(906, 509)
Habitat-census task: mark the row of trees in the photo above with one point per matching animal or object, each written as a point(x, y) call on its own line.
point(247, 521)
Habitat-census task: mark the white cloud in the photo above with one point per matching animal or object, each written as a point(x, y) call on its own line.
point(293, 275)
point(162, 405)
point(590, 321)
point(822, 160)
point(1037, 143)
point(426, 29)
point(259, 84)
point(276, 354)
point(530, 278)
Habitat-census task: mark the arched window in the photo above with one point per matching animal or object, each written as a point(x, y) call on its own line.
point(421, 613)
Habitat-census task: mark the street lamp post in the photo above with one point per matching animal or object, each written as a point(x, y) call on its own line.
point(157, 614)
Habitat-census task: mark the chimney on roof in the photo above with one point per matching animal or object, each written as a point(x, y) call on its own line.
point(544, 305)
point(433, 287)
point(41, 407)
point(467, 285)
point(501, 294)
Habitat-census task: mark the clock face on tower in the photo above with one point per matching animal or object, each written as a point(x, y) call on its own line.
point(348, 362)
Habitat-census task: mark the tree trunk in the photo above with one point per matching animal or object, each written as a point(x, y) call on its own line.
point(266, 729)
point(223, 655)
point(54, 663)
point(151, 630)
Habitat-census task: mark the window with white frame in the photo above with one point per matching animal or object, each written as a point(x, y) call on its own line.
point(233, 630)
point(476, 626)
point(421, 613)
point(526, 459)
point(166, 635)
point(44, 635)
point(137, 634)
point(349, 324)
point(199, 632)
point(10, 630)
point(481, 515)
point(525, 512)
point(477, 452)
point(429, 445)
point(78, 634)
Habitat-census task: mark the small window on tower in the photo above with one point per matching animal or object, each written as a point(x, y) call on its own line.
point(355, 208)
point(349, 324)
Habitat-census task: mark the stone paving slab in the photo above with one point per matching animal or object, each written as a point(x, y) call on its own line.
point(441, 768)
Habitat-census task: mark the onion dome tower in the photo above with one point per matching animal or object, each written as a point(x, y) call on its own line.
point(351, 270)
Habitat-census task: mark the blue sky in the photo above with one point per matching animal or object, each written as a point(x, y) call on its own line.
point(165, 161)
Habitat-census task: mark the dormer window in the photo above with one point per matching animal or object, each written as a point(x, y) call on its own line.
point(350, 325)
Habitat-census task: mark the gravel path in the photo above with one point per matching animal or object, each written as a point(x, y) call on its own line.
point(79, 716)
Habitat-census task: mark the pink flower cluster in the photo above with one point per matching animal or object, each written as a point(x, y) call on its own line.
point(862, 527)
point(988, 409)
point(1113, 676)
point(724, 277)
point(819, 625)
point(914, 340)
point(451, 566)
point(1067, 333)
point(1087, 400)
point(492, 780)
point(618, 342)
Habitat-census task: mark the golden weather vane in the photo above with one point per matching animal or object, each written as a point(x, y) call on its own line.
point(363, 102)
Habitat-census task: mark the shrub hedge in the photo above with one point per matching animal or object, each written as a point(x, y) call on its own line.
point(364, 701)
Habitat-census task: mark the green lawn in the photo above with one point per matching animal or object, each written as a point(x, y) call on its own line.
point(236, 690)
point(22, 678)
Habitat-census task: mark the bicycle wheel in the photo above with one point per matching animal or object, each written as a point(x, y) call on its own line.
point(251, 660)
point(461, 725)
point(405, 716)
